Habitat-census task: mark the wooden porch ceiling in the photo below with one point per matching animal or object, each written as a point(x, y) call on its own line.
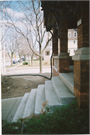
point(54, 10)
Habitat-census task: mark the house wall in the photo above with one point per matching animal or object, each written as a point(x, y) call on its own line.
point(48, 49)
point(47, 57)
point(72, 46)
point(72, 41)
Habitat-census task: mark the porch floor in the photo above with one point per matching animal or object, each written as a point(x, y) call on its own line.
point(68, 79)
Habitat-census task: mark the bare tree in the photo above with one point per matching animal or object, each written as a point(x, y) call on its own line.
point(12, 45)
point(24, 50)
point(32, 21)
point(4, 29)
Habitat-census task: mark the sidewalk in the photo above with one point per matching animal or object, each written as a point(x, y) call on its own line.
point(9, 107)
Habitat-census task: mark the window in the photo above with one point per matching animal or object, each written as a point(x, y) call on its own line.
point(75, 34)
point(47, 52)
point(74, 41)
point(69, 34)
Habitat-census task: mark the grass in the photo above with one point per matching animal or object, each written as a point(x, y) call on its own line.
point(67, 120)
point(44, 63)
point(10, 66)
point(36, 64)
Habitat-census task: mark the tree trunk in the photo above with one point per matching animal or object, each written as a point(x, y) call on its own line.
point(40, 60)
point(11, 58)
point(20, 57)
point(25, 57)
point(32, 59)
point(29, 61)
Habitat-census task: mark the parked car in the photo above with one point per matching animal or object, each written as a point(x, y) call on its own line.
point(14, 61)
point(23, 59)
point(18, 60)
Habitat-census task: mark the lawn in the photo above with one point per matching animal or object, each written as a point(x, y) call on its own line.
point(44, 63)
point(36, 64)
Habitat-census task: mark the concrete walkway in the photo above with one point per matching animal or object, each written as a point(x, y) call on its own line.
point(9, 107)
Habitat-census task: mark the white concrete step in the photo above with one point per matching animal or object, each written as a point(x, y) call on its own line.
point(40, 98)
point(51, 96)
point(30, 106)
point(68, 79)
point(21, 107)
point(62, 92)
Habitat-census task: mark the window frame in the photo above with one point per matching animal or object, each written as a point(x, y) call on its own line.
point(74, 34)
point(69, 33)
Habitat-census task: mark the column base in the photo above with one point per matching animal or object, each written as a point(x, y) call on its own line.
point(55, 71)
point(61, 63)
point(64, 63)
point(55, 65)
point(81, 76)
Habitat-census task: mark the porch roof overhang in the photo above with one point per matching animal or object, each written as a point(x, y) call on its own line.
point(54, 10)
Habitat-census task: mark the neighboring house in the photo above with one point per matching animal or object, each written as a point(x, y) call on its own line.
point(72, 45)
point(48, 52)
point(72, 41)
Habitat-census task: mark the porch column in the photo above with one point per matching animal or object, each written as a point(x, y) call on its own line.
point(55, 43)
point(55, 53)
point(63, 56)
point(81, 57)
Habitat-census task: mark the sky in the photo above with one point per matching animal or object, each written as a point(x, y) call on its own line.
point(17, 16)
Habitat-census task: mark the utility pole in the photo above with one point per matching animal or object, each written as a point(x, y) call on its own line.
point(4, 60)
point(1, 52)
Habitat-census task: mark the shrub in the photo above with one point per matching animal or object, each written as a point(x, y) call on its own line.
point(25, 63)
point(67, 120)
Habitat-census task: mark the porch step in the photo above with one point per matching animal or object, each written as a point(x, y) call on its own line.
point(21, 107)
point(63, 94)
point(51, 96)
point(54, 91)
point(68, 79)
point(40, 98)
point(30, 105)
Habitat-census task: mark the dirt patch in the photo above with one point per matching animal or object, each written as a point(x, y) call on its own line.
point(19, 85)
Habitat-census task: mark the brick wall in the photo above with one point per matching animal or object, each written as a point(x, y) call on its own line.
point(81, 81)
point(63, 44)
point(64, 66)
point(83, 29)
point(71, 61)
point(63, 31)
point(55, 44)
